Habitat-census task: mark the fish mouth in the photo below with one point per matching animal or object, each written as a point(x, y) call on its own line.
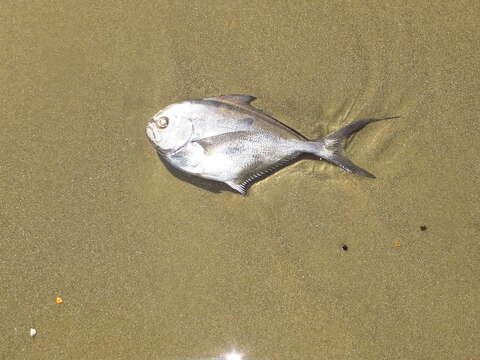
point(151, 132)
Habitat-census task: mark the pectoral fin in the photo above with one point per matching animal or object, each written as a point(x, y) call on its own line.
point(224, 142)
point(235, 98)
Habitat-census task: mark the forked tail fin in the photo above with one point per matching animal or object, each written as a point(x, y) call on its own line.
point(330, 147)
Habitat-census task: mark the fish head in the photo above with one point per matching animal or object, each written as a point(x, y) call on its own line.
point(171, 128)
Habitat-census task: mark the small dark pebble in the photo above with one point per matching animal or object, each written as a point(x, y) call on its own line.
point(423, 228)
point(344, 247)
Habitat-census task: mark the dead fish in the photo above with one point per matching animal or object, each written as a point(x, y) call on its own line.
point(226, 139)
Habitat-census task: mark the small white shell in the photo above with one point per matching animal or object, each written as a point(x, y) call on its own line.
point(33, 332)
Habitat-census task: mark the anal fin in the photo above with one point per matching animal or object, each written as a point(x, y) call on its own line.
point(243, 185)
point(237, 187)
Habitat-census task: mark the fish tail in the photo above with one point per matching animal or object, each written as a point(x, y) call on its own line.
point(330, 148)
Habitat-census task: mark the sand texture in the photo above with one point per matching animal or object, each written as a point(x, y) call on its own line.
point(148, 266)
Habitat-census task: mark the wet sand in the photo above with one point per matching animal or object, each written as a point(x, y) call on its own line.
point(152, 267)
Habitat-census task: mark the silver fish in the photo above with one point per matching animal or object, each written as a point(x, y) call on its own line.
point(226, 139)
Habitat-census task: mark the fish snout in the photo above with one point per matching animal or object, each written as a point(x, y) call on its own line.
point(152, 130)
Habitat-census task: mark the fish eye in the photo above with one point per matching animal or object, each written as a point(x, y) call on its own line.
point(162, 122)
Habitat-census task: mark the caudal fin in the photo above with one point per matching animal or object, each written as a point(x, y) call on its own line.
point(330, 147)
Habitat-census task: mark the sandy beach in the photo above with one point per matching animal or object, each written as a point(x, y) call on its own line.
point(314, 263)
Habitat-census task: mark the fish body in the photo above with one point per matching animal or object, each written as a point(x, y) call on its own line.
point(226, 139)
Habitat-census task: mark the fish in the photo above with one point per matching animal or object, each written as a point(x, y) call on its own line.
point(226, 139)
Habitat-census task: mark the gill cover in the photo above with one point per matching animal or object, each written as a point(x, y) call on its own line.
point(170, 129)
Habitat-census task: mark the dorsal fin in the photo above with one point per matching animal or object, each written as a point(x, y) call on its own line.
point(236, 98)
